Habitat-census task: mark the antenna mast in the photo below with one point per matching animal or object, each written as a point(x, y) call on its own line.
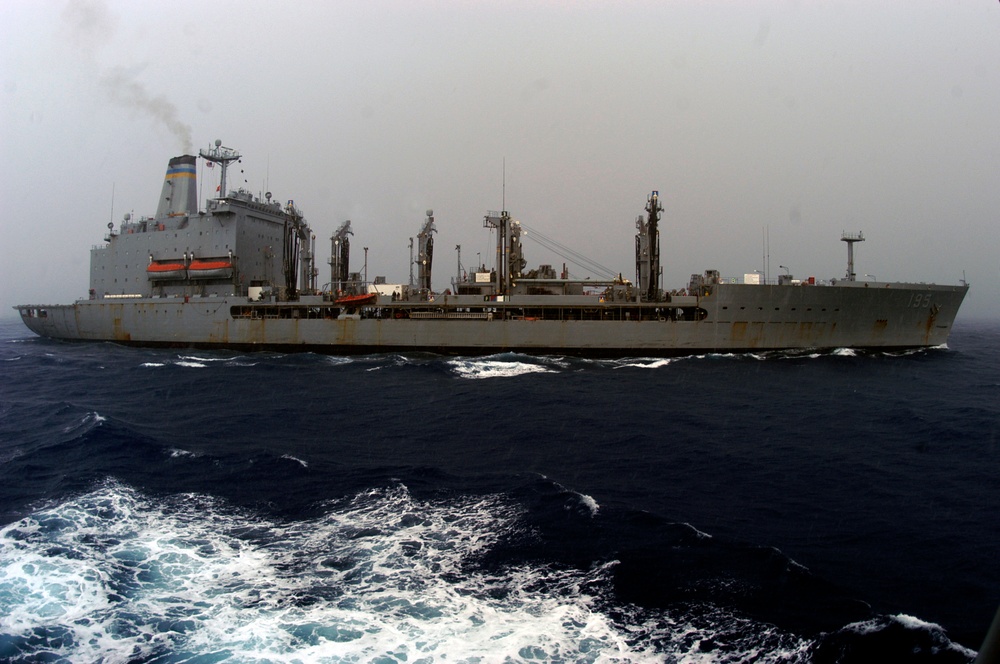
point(222, 156)
point(850, 239)
point(503, 194)
point(411, 262)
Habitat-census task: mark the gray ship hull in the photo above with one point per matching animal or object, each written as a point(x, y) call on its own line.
point(733, 318)
point(242, 274)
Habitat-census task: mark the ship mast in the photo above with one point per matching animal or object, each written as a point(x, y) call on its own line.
point(340, 257)
point(296, 234)
point(222, 156)
point(501, 222)
point(647, 249)
point(425, 254)
point(850, 239)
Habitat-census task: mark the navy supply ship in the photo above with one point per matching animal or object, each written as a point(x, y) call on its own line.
point(241, 274)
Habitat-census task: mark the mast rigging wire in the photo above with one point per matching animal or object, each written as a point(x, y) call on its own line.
point(570, 255)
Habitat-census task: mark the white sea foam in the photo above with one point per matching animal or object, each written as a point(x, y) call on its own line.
point(845, 352)
point(914, 351)
point(380, 362)
point(699, 534)
point(933, 630)
point(176, 453)
point(590, 503)
point(197, 362)
point(866, 626)
point(911, 622)
point(477, 369)
point(87, 422)
point(382, 577)
point(644, 363)
point(295, 459)
point(557, 361)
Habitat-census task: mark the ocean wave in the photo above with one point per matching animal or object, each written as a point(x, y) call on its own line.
point(117, 575)
point(699, 534)
point(926, 638)
point(197, 358)
point(503, 365)
point(382, 361)
point(9, 454)
point(297, 460)
point(86, 423)
point(201, 362)
point(37, 430)
point(590, 503)
point(644, 362)
point(495, 368)
point(177, 453)
point(915, 351)
point(573, 501)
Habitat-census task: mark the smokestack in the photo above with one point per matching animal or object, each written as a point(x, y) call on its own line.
point(179, 196)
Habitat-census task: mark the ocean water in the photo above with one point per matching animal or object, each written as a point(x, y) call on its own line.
point(193, 506)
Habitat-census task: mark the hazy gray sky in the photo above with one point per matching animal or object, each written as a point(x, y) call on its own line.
point(802, 118)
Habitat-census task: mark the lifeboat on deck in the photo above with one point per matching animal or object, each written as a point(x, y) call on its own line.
point(356, 300)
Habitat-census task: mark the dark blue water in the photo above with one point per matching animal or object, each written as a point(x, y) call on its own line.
point(169, 506)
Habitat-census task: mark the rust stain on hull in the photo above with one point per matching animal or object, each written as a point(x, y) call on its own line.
point(117, 330)
point(929, 326)
point(746, 334)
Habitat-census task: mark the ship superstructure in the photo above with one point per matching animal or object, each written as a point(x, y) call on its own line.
point(242, 274)
point(239, 245)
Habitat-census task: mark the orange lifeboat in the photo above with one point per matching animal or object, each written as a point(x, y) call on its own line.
point(210, 269)
point(356, 300)
point(164, 270)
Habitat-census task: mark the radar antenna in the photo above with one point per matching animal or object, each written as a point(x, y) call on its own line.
point(223, 156)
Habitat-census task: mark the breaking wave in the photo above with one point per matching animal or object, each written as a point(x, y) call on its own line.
point(496, 368)
point(116, 575)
